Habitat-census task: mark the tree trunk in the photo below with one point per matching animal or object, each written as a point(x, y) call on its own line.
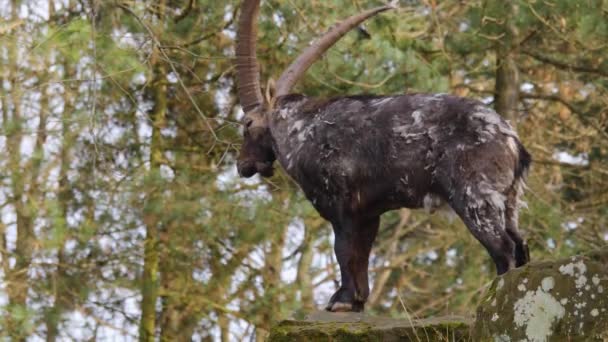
point(179, 316)
point(304, 279)
point(17, 277)
point(271, 276)
point(394, 259)
point(507, 72)
point(223, 323)
point(152, 221)
point(53, 318)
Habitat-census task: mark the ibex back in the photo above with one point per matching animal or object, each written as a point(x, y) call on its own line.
point(356, 157)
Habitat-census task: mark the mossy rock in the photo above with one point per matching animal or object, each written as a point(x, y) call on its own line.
point(563, 300)
point(325, 326)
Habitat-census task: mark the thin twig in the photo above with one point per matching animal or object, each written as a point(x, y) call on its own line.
point(171, 64)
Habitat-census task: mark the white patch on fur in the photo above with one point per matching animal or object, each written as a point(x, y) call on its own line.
point(289, 161)
point(297, 126)
point(431, 202)
point(492, 122)
point(480, 196)
point(512, 145)
point(520, 185)
point(381, 102)
point(404, 131)
point(492, 196)
point(417, 115)
point(284, 113)
point(302, 136)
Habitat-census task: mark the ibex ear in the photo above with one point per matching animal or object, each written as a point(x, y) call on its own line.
point(271, 90)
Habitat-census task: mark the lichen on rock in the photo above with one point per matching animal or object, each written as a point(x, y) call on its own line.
point(537, 311)
point(547, 301)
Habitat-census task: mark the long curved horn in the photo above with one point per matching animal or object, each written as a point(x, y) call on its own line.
point(247, 69)
point(296, 70)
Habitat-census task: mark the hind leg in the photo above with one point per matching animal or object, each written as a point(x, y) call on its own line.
point(487, 223)
point(476, 181)
point(522, 254)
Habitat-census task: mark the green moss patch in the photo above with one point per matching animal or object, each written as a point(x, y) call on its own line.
point(356, 327)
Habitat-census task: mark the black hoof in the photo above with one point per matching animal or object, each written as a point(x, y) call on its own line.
point(345, 307)
point(344, 301)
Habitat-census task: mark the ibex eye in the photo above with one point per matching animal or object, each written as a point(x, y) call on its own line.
point(248, 123)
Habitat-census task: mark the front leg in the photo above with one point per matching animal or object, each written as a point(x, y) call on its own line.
point(353, 243)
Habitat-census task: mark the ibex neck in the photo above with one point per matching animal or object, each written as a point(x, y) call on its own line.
point(284, 121)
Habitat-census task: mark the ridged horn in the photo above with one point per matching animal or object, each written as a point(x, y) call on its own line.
point(296, 70)
point(247, 69)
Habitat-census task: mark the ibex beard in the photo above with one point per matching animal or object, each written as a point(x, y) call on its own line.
point(356, 157)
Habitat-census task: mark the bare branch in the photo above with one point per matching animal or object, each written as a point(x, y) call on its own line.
point(184, 12)
point(565, 66)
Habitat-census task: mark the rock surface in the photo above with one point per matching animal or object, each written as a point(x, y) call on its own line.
point(326, 326)
point(563, 300)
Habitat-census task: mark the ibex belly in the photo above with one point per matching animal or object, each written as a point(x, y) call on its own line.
point(364, 176)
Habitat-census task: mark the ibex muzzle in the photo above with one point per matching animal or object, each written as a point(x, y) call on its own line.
point(356, 157)
point(257, 154)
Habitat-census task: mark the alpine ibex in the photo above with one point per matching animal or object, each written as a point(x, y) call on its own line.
point(356, 157)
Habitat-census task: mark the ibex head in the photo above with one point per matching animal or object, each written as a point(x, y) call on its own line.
point(257, 154)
